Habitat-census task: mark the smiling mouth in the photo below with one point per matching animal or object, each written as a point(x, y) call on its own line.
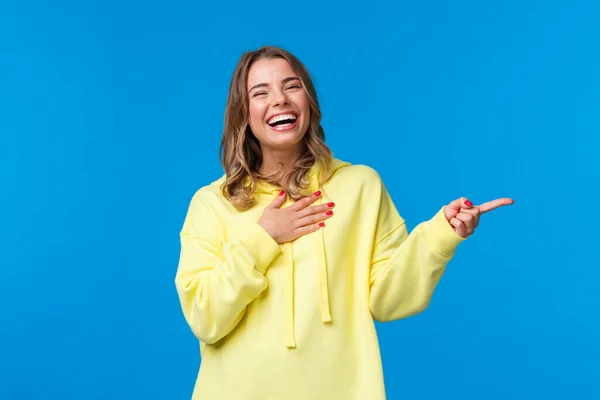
point(283, 122)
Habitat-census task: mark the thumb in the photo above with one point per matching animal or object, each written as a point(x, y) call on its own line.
point(452, 209)
point(279, 200)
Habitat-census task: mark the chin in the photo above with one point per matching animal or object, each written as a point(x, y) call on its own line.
point(287, 138)
point(285, 143)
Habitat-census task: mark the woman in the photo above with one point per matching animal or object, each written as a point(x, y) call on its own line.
point(287, 260)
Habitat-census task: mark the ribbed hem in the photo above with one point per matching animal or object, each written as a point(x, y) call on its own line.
point(440, 234)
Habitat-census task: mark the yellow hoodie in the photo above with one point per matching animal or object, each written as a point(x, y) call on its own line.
point(296, 321)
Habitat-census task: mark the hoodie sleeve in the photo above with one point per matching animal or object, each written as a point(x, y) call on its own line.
point(216, 281)
point(405, 268)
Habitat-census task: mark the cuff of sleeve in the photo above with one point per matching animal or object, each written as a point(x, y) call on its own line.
point(440, 234)
point(261, 246)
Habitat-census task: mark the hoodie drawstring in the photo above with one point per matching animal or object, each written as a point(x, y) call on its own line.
point(322, 264)
point(288, 252)
point(290, 329)
point(322, 270)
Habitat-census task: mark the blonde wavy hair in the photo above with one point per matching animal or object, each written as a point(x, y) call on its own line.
point(240, 151)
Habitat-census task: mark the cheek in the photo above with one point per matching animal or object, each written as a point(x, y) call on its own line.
point(303, 105)
point(257, 113)
point(306, 112)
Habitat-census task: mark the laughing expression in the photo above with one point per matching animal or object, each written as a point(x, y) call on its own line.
point(279, 107)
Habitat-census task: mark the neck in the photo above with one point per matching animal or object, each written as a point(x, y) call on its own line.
point(274, 159)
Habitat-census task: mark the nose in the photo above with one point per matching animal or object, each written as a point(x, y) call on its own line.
point(279, 98)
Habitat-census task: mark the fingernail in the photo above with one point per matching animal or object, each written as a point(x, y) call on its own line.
point(282, 193)
point(318, 193)
point(468, 203)
point(321, 223)
point(330, 204)
point(329, 212)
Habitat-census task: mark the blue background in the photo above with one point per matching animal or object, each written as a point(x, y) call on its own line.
point(110, 118)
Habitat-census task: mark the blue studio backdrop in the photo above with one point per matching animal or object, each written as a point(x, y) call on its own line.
point(110, 119)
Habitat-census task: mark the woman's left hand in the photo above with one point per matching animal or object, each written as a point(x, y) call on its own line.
point(463, 216)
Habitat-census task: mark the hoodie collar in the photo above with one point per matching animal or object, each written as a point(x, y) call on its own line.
point(315, 175)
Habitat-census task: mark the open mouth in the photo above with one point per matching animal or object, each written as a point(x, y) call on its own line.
point(283, 121)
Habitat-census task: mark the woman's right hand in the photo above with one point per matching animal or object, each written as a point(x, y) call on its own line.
point(299, 219)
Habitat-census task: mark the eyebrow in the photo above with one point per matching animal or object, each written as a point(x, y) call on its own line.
point(285, 80)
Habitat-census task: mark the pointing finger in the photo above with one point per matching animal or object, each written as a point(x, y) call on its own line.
point(491, 205)
point(474, 211)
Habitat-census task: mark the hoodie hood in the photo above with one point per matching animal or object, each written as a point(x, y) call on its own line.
point(316, 183)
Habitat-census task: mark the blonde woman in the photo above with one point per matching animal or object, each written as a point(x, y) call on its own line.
point(287, 260)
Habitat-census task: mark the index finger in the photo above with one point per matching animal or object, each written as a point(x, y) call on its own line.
point(492, 205)
point(305, 201)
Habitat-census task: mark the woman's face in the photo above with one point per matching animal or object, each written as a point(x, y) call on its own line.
point(279, 108)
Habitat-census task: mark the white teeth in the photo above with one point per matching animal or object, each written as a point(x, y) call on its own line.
point(281, 118)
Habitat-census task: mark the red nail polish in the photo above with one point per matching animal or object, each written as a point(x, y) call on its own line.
point(468, 203)
point(330, 204)
point(321, 223)
point(282, 193)
point(318, 193)
point(329, 212)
